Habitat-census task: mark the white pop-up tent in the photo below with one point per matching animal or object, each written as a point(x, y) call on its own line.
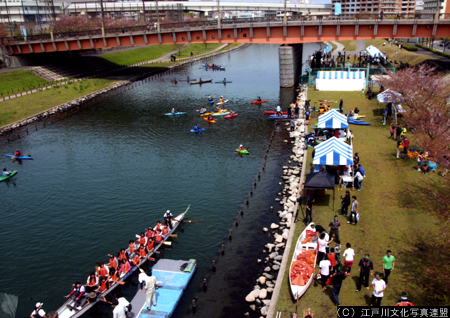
point(341, 80)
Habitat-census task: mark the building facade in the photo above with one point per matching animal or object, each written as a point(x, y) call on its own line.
point(376, 6)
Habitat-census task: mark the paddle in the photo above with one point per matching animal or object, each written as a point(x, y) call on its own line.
point(188, 221)
point(163, 242)
point(171, 235)
point(22, 155)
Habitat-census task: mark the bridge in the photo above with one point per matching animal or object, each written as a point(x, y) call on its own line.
point(267, 31)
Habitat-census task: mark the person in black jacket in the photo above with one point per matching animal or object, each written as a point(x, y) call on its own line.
point(365, 269)
point(337, 279)
point(345, 203)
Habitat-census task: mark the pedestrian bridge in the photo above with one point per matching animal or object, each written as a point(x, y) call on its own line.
point(304, 30)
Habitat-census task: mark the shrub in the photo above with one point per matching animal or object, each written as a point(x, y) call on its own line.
point(433, 50)
point(408, 47)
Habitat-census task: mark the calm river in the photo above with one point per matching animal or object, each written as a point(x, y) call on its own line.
point(104, 174)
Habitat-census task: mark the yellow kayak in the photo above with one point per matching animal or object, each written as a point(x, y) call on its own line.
point(359, 116)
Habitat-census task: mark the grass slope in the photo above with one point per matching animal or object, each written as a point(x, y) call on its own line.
point(350, 45)
point(19, 81)
point(20, 108)
point(141, 54)
point(392, 215)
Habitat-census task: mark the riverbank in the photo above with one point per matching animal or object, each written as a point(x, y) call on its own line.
point(393, 215)
point(56, 112)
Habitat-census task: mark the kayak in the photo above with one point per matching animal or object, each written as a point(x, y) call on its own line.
point(203, 111)
point(220, 114)
point(177, 113)
point(209, 121)
point(205, 114)
point(198, 130)
point(221, 103)
point(223, 82)
point(201, 82)
point(216, 67)
point(231, 115)
point(278, 117)
point(259, 101)
point(357, 116)
point(272, 112)
point(12, 174)
point(174, 82)
point(21, 157)
point(242, 152)
point(358, 122)
point(211, 101)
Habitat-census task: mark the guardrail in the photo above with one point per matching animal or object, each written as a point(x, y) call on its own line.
point(307, 19)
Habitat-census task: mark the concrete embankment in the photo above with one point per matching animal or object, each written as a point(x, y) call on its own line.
point(276, 261)
point(32, 123)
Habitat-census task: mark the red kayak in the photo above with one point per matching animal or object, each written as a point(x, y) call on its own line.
point(231, 115)
point(272, 112)
point(259, 102)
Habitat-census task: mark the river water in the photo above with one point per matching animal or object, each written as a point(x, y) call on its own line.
point(104, 174)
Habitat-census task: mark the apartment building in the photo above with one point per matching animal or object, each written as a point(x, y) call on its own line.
point(376, 6)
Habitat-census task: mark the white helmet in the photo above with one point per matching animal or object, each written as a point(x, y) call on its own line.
point(240, 146)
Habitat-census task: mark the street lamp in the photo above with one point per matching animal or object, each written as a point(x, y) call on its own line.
point(285, 18)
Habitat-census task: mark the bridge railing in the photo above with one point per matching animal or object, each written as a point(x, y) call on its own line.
point(307, 19)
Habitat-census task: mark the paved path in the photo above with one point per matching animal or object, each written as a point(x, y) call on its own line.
point(164, 58)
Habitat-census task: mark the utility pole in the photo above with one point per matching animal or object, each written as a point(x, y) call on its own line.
point(218, 13)
point(285, 17)
point(157, 16)
point(438, 9)
point(143, 8)
point(101, 9)
point(9, 21)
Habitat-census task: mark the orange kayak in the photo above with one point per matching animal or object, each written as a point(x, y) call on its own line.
point(209, 121)
point(259, 101)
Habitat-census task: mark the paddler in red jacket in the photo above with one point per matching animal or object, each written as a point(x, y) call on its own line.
point(159, 238)
point(113, 262)
point(92, 280)
point(103, 271)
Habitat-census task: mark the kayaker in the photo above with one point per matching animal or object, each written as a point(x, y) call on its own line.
point(77, 292)
point(258, 99)
point(38, 312)
point(200, 80)
point(103, 271)
point(278, 110)
point(210, 117)
point(209, 99)
point(6, 173)
point(224, 80)
point(150, 244)
point(125, 267)
point(356, 111)
point(196, 127)
point(241, 147)
point(221, 99)
point(168, 219)
point(173, 111)
point(17, 153)
point(159, 237)
point(113, 262)
point(92, 280)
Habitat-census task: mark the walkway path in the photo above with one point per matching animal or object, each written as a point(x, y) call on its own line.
point(164, 58)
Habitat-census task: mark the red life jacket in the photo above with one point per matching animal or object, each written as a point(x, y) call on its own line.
point(142, 240)
point(113, 263)
point(136, 259)
point(158, 238)
point(151, 245)
point(103, 271)
point(122, 255)
point(125, 267)
point(131, 247)
point(103, 285)
point(165, 230)
point(114, 277)
point(158, 227)
point(142, 252)
point(92, 280)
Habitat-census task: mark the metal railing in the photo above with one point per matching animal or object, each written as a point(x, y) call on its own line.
point(307, 19)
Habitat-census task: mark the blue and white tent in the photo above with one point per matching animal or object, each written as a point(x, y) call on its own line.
point(333, 152)
point(332, 120)
point(374, 52)
point(390, 96)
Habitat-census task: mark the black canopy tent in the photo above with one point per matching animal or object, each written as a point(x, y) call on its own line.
point(320, 181)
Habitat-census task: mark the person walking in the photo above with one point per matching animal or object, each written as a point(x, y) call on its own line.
point(325, 266)
point(405, 145)
point(322, 243)
point(385, 114)
point(365, 268)
point(345, 201)
point(150, 287)
point(309, 205)
point(398, 131)
point(334, 227)
point(381, 15)
point(341, 105)
point(388, 265)
point(378, 288)
point(359, 179)
point(404, 302)
point(337, 279)
point(348, 258)
point(354, 214)
point(399, 147)
point(123, 29)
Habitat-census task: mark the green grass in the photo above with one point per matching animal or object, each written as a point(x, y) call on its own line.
point(19, 81)
point(333, 47)
point(402, 55)
point(20, 108)
point(141, 54)
point(197, 48)
point(392, 209)
point(350, 45)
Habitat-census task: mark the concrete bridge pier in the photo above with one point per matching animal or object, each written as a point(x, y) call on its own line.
point(290, 59)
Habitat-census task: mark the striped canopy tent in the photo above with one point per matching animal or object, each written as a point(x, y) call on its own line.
point(333, 152)
point(332, 120)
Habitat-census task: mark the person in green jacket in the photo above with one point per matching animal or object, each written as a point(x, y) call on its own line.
point(388, 265)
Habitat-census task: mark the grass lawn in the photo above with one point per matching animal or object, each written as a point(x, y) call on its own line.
point(141, 54)
point(333, 47)
point(403, 55)
point(20, 108)
point(197, 48)
point(19, 81)
point(392, 215)
point(350, 45)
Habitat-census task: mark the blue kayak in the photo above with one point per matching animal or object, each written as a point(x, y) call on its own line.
point(197, 130)
point(354, 121)
point(278, 117)
point(211, 101)
point(177, 113)
point(203, 111)
point(21, 157)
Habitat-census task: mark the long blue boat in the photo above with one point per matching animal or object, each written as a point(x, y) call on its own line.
point(173, 276)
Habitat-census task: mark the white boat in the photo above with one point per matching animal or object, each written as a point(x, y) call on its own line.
point(297, 290)
point(67, 310)
point(221, 103)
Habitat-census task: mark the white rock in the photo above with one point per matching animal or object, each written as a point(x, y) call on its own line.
point(280, 245)
point(273, 255)
point(277, 263)
point(250, 298)
point(285, 235)
point(256, 287)
point(259, 260)
point(270, 246)
point(262, 293)
point(265, 229)
point(253, 307)
point(276, 267)
point(278, 258)
point(279, 239)
point(264, 310)
point(255, 293)
point(267, 269)
point(293, 199)
point(262, 280)
point(268, 276)
point(274, 226)
point(266, 302)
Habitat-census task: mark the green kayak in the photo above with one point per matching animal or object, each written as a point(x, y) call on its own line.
point(242, 152)
point(12, 174)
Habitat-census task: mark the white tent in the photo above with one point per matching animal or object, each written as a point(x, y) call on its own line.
point(332, 120)
point(333, 152)
point(341, 80)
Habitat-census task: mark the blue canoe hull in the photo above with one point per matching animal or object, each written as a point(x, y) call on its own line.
point(196, 131)
point(21, 157)
point(357, 122)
